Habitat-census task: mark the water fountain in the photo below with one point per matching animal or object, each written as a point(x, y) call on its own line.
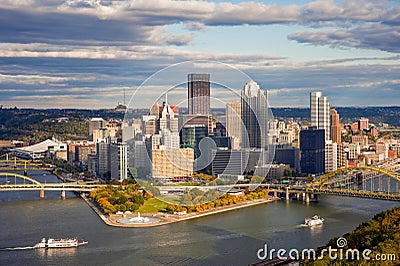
point(138, 220)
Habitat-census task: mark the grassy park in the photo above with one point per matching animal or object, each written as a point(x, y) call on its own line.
point(153, 205)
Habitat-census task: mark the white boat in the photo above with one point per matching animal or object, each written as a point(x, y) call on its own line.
point(315, 220)
point(59, 243)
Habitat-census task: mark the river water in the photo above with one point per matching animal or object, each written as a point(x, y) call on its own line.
point(231, 238)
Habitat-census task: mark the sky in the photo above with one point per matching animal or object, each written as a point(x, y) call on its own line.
point(85, 53)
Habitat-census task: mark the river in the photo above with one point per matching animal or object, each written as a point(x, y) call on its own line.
point(230, 238)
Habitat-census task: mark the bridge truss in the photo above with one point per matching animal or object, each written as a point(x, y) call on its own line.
point(18, 182)
point(361, 181)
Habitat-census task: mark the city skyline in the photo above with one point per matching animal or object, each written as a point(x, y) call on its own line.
point(83, 54)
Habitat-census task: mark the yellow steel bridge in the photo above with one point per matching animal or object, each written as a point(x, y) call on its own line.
point(361, 181)
point(11, 184)
point(8, 163)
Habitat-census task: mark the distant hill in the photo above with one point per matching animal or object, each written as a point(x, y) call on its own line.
point(376, 115)
point(15, 122)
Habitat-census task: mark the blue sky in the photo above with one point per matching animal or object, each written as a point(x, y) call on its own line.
point(73, 53)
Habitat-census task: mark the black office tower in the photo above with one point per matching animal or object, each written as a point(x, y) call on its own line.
point(199, 101)
point(312, 147)
point(199, 94)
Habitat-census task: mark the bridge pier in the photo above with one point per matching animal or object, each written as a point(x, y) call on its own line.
point(275, 194)
point(287, 194)
point(307, 197)
point(42, 194)
point(298, 196)
point(63, 194)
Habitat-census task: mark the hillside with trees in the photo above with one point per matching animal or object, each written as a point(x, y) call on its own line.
point(381, 235)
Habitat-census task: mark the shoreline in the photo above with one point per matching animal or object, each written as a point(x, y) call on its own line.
point(112, 219)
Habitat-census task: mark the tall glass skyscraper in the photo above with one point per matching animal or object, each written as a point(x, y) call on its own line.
point(254, 116)
point(320, 113)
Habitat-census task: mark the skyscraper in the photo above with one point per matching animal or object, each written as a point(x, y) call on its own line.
point(199, 94)
point(234, 122)
point(254, 116)
point(198, 101)
point(103, 159)
point(119, 161)
point(312, 147)
point(335, 127)
point(320, 112)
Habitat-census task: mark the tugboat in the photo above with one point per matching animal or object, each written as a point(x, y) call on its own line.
point(59, 243)
point(315, 220)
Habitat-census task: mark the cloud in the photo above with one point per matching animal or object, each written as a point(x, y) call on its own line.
point(369, 36)
point(38, 50)
point(227, 13)
point(350, 10)
point(349, 60)
point(252, 13)
point(138, 21)
point(161, 36)
point(107, 24)
point(393, 16)
point(34, 79)
point(104, 80)
point(194, 26)
point(321, 10)
point(92, 49)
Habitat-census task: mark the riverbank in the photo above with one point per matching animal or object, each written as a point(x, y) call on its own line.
point(164, 218)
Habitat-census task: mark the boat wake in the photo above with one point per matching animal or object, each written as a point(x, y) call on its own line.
point(16, 248)
point(302, 225)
